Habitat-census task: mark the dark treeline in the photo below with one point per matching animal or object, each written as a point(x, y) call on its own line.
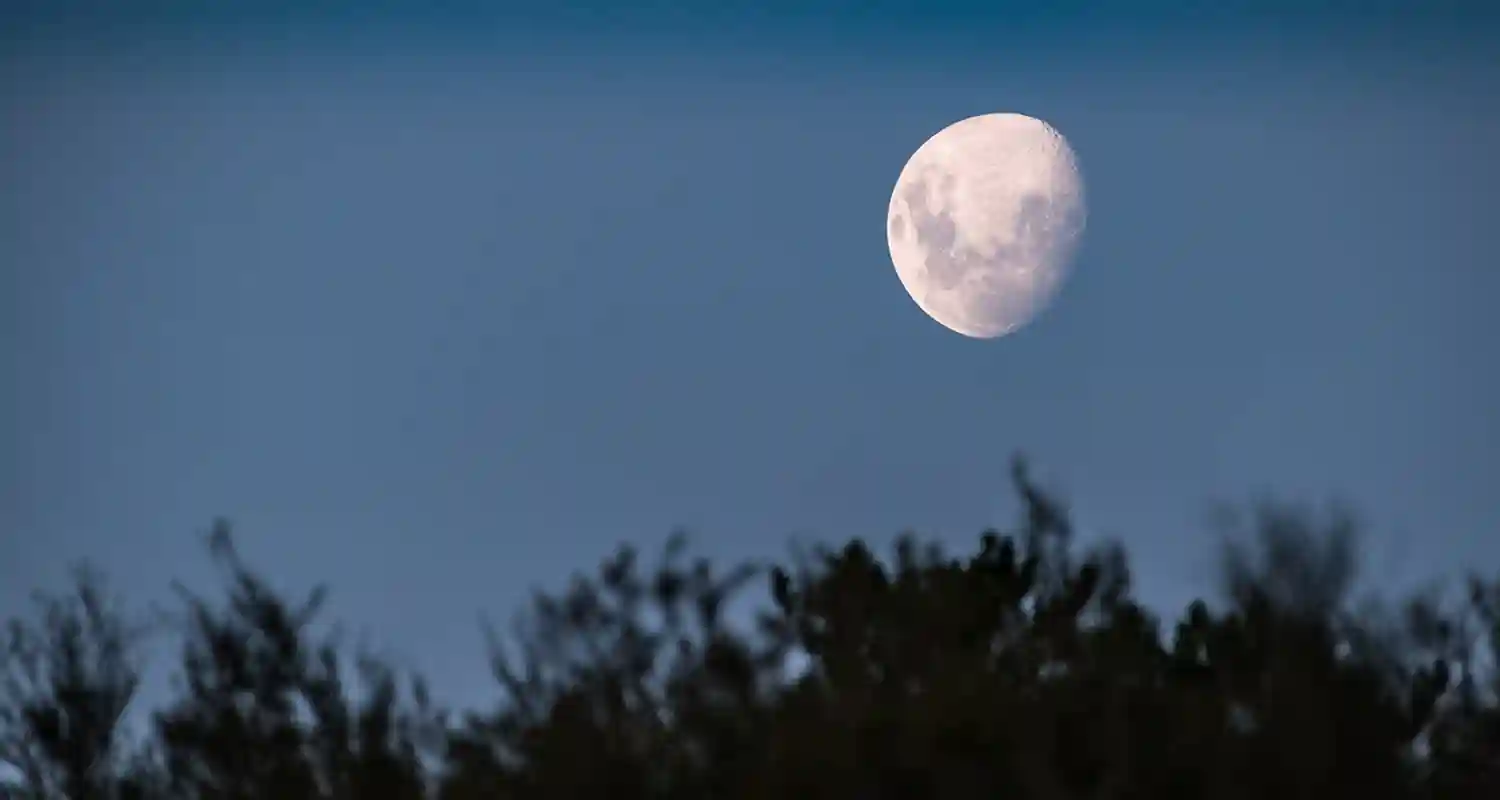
point(1023, 669)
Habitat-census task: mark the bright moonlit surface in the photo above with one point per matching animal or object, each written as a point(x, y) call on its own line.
point(984, 221)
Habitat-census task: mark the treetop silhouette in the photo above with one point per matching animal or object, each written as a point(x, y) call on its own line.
point(1025, 668)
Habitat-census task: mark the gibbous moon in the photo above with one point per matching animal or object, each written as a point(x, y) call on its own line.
point(984, 221)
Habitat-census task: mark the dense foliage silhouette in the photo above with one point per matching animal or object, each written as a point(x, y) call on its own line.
point(1025, 669)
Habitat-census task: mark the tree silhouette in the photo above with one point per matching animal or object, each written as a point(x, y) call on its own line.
point(1022, 669)
point(264, 711)
point(66, 681)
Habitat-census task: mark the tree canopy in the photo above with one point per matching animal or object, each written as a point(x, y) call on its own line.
point(1024, 668)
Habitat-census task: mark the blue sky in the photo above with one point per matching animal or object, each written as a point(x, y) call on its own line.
point(440, 307)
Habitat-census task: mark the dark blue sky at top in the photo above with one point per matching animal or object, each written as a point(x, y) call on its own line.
point(440, 306)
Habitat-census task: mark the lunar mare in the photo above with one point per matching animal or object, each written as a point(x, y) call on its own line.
point(984, 221)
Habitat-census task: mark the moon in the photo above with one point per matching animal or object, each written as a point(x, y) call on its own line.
point(984, 222)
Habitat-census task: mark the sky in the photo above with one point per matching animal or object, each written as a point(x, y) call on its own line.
point(439, 307)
